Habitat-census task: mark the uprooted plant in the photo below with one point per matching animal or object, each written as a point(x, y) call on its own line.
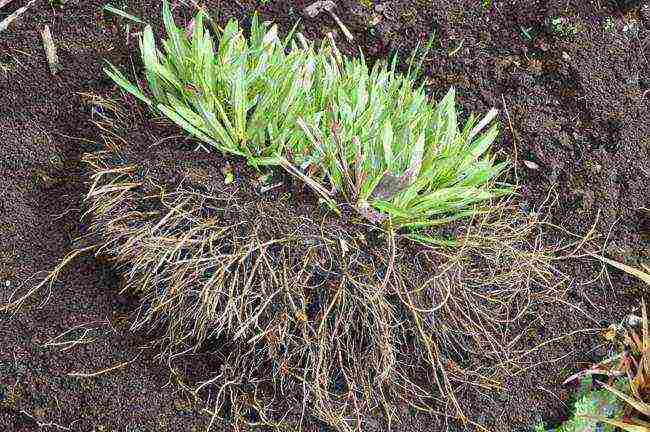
point(365, 135)
point(296, 311)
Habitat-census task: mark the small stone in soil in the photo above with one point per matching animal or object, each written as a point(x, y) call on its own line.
point(531, 165)
point(633, 320)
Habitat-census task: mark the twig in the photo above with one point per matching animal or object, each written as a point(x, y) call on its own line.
point(584, 240)
point(49, 280)
point(327, 5)
point(552, 394)
point(5, 2)
point(103, 371)
point(50, 51)
point(43, 425)
point(11, 18)
point(550, 341)
point(55, 341)
point(625, 268)
point(344, 29)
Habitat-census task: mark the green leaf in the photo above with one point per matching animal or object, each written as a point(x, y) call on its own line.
point(119, 79)
point(121, 13)
point(417, 154)
point(431, 240)
point(188, 126)
point(387, 143)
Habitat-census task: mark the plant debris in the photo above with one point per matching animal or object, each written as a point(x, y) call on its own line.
point(328, 6)
point(50, 51)
point(4, 24)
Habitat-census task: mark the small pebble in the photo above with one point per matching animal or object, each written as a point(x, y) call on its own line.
point(531, 165)
point(633, 320)
point(631, 29)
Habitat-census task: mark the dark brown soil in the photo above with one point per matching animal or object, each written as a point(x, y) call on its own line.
point(572, 76)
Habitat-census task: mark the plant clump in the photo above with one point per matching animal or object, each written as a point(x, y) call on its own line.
point(297, 306)
point(296, 310)
point(357, 135)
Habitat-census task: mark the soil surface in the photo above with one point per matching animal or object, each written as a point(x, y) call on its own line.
point(571, 79)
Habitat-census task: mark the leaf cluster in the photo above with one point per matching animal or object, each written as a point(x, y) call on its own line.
point(358, 135)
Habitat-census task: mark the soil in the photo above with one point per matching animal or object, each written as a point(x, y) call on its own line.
point(571, 79)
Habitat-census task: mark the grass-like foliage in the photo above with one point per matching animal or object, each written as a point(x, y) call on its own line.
point(395, 156)
point(357, 135)
point(240, 96)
